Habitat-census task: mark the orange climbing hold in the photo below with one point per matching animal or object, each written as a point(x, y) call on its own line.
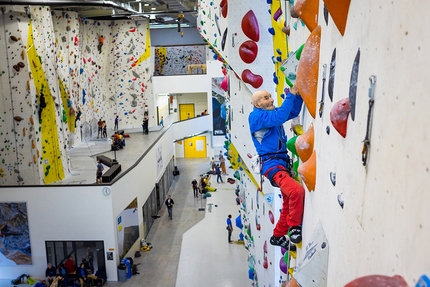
point(305, 144)
point(307, 10)
point(308, 171)
point(307, 71)
point(339, 116)
point(338, 10)
point(292, 283)
point(378, 281)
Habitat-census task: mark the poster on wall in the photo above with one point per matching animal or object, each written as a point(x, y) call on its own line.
point(127, 228)
point(159, 157)
point(219, 113)
point(15, 248)
point(176, 60)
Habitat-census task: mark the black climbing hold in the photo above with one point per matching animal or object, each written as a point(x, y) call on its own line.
point(331, 77)
point(323, 245)
point(326, 15)
point(327, 130)
point(333, 178)
point(224, 39)
point(353, 84)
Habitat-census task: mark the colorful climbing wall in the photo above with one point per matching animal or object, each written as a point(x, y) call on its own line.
point(56, 78)
point(175, 60)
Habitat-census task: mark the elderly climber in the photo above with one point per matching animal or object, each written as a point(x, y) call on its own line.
point(268, 134)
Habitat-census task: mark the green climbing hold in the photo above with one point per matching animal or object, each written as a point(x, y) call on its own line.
point(48, 167)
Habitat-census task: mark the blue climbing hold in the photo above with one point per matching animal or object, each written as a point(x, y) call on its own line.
point(279, 51)
point(271, 31)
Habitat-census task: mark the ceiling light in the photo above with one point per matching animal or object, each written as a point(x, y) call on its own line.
point(153, 8)
point(146, 4)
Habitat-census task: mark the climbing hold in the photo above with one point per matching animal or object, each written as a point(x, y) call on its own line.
point(291, 145)
point(307, 10)
point(13, 38)
point(333, 178)
point(224, 39)
point(248, 51)
point(307, 70)
point(283, 265)
point(327, 130)
point(378, 281)
point(338, 10)
point(275, 78)
point(21, 65)
point(250, 78)
point(339, 116)
point(271, 217)
point(353, 84)
point(224, 8)
point(18, 118)
point(249, 26)
point(305, 144)
point(271, 31)
point(307, 172)
point(286, 30)
point(332, 73)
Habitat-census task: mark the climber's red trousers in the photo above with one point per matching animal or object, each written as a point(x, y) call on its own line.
point(293, 199)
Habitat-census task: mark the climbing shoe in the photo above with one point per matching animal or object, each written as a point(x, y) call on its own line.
point(295, 233)
point(282, 241)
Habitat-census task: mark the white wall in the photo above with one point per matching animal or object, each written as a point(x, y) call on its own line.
point(83, 212)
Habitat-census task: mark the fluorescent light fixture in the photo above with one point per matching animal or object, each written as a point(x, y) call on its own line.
point(153, 8)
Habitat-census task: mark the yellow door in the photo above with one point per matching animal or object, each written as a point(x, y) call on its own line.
point(186, 111)
point(195, 147)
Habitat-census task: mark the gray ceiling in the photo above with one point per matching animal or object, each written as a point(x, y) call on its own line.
point(162, 13)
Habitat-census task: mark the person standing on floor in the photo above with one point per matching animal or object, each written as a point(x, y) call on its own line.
point(145, 125)
point(218, 174)
point(104, 130)
point(115, 128)
point(100, 128)
point(195, 186)
point(222, 165)
point(213, 165)
point(229, 228)
point(99, 172)
point(169, 204)
point(162, 121)
point(268, 135)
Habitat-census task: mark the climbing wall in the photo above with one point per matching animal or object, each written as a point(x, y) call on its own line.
point(19, 129)
point(55, 81)
point(366, 170)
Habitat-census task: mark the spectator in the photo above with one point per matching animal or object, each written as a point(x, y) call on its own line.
point(70, 265)
point(50, 273)
point(99, 172)
point(82, 274)
point(100, 128)
point(115, 128)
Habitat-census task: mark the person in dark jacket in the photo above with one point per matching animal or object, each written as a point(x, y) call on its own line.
point(169, 203)
point(50, 273)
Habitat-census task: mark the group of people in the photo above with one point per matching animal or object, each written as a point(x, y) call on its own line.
point(102, 129)
point(67, 270)
point(118, 141)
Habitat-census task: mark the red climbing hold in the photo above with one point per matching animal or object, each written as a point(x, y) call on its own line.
point(250, 78)
point(248, 51)
point(339, 116)
point(224, 8)
point(378, 281)
point(250, 26)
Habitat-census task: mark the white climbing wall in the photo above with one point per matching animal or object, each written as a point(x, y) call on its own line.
point(382, 228)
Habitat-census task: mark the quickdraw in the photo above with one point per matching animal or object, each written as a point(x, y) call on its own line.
point(366, 141)
point(320, 111)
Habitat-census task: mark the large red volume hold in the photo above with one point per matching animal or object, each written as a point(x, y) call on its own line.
point(250, 26)
point(378, 281)
point(248, 51)
point(339, 116)
point(250, 78)
point(224, 8)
